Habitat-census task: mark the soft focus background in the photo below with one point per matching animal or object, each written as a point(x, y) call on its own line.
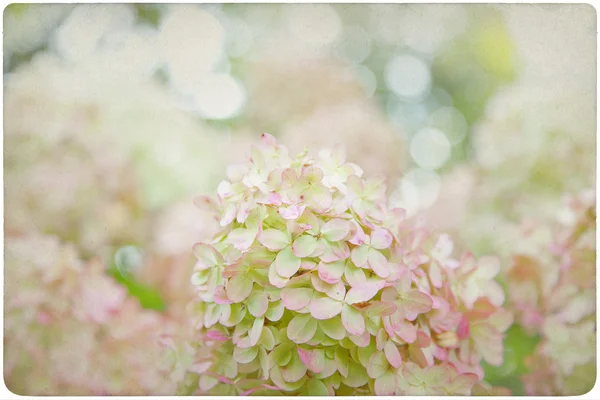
point(116, 116)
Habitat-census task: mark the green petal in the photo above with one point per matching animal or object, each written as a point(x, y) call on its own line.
point(267, 340)
point(273, 239)
point(342, 360)
point(336, 229)
point(377, 365)
point(286, 263)
point(302, 328)
point(275, 311)
point(325, 308)
point(315, 387)
point(333, 327)
point(294, 370)
point(353, 320)
point(258, 303)
point(386, 384)
point(378, 263)
point(256, 331)
point(304, 246)
point(359, 256)
point(239, 288)
point(357, 376)
point(282, 354)
point(244, 356)
point(296, 298)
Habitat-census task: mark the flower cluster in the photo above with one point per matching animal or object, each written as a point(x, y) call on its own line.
point(71, 329)
point(313, 286)
point(554, 294)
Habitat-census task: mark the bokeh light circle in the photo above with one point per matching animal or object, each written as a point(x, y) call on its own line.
point(430, 148)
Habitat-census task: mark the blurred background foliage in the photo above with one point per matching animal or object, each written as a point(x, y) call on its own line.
point(424, 73)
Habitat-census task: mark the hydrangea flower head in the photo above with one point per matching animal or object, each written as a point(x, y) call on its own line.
point(71, 329)
point(555, 296)
point(313, 286)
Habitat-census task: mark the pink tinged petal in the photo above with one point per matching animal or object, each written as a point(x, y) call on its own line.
point(406, 331)
point(333, 328)
point(361, 340)
point(387, 325)
point(292, 212)
point(381, 239)
point(242, 238)
point(488, 342)
point(304, 245)
point(416, 302)
point(239, 288)
point(273, 239)
point(296, 298)
point(220, 296)
point(336, 229)
point(359, 256)
point(258, 304)
point(312, 174)
point(378, 365)
point(228, 215)
point(378, 263)
point(302, 328)
point(287, 264)
point(389, 294)
point(275, 279)
point(331, 273)
point(435, 274)
point(501, 320)
point(335, 251)
point(354, 276)
point(488, 267)
point(462, 385)
point(313, 359)
point(244, 211)
point(423, 340)
point(272, 198)
point(359, 235)
point(201, 367)
point(463, 329)
point(236, 172)
point(381, 339)
point(364, 292)
point(319, 197)
point(244, 356)
point(417, 355)
point(211, 316)
point(216, 335)
point(207, 256)
point(337, 291)
point(386, 384)
point(308, 265)
point(413, 374)
point(325, 308)
point(353, 320)
point(495, 293)
point(380, 309)
point(256, 331)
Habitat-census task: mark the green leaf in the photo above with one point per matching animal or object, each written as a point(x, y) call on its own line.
point(518, 345)
point(148, 297)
